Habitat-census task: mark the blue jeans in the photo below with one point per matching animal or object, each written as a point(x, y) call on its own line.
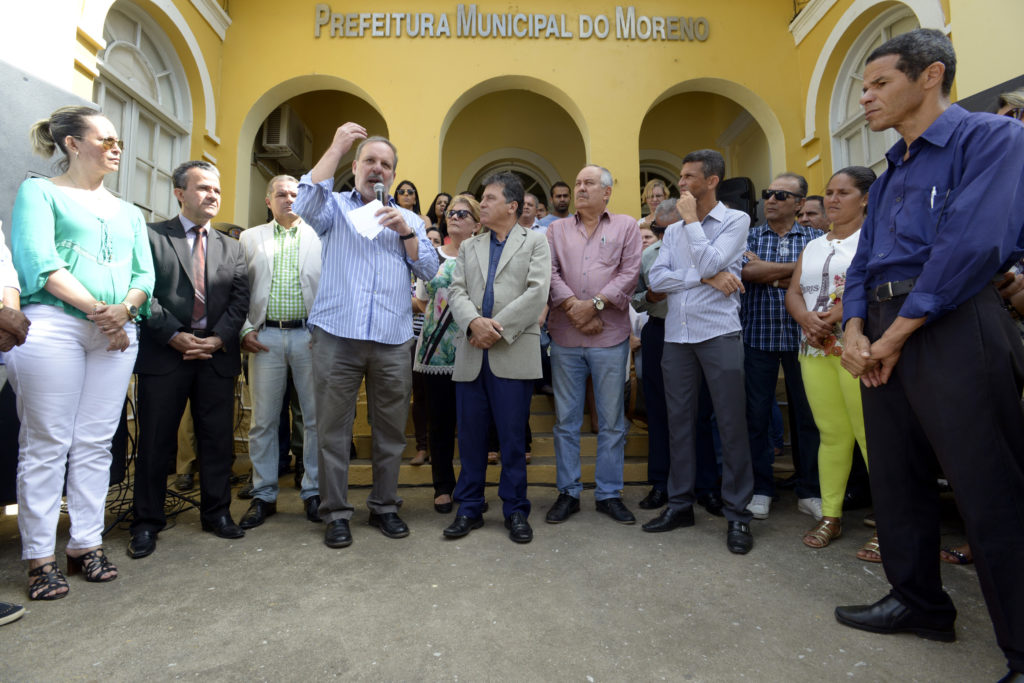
point(268, 380)
point(570, 366)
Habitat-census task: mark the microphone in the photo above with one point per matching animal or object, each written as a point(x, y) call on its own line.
point(378, 189)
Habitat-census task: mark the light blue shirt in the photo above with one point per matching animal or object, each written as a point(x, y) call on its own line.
point(690, 252)
point(364, 284)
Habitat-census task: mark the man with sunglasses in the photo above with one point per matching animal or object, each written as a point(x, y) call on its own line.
point(941, 366)
point(771, 337)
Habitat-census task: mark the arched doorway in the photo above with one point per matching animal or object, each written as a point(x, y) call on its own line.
point(320, 103)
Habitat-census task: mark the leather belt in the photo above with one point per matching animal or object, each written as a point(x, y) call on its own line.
point(891, 290)
point(286, 324)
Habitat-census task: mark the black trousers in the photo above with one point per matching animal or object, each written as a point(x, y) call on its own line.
point(955, 395)
point(161, 404)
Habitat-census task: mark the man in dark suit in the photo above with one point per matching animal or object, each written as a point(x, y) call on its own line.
point(189, 350)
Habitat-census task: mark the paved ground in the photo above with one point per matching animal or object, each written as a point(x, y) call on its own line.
point(589, 600)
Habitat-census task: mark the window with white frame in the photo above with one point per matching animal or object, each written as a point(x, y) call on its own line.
point(853, 143)
point(142, 90)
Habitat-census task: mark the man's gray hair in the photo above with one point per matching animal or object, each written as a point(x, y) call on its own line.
point(666, 214)
point(606, 175)
point(378, 138)
point(279, 179)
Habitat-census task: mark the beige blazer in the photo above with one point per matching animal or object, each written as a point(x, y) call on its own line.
point(259, 247)
point(521, 285)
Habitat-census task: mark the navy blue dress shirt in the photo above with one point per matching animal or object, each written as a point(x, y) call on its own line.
point(950, 215)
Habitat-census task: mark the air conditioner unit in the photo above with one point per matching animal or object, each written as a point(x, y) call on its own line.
point(285, 138)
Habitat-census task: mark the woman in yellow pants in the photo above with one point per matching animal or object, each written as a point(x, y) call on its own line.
point(814, 299)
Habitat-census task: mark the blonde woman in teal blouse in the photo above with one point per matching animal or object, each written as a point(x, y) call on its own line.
point(86, 274)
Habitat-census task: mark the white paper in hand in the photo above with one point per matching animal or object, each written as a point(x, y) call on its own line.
point(364, 221)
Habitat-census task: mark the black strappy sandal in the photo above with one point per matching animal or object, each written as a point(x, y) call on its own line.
point(46, 581)
point(93, 565)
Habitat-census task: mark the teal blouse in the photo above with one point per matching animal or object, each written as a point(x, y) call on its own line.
point(50, 231)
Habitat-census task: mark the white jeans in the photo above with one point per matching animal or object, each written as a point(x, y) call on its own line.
point(70, 393)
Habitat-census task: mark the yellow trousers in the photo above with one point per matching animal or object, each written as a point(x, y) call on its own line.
point(834, 395)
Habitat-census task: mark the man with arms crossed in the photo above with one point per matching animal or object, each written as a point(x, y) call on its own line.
point(362, 326)
point(941, 366)
point(699, 268)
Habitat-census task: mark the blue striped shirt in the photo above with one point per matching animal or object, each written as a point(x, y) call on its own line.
point(364, 285)
point(766, 323)
point(698, 312)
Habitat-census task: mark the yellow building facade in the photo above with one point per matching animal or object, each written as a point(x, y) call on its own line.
point(259, 86)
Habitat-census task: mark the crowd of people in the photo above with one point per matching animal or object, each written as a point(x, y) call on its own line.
point(884, 301)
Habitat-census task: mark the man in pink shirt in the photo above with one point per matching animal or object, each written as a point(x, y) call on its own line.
point(595, 262)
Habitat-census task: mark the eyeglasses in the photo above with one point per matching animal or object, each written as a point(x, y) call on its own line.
point(108, 143)
point(406, 190)
point(1015, 113)
point(780, 195)
point(459, 214)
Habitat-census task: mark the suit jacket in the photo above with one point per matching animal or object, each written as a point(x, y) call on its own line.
point(521, 284)
point(259, 248)
point(227, 299)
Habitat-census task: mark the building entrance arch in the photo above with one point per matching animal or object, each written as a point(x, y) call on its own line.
point(316, 101)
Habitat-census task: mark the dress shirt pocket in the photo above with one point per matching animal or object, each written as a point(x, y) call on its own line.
point(609, 252)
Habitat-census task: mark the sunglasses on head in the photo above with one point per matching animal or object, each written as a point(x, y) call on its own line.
point(1015, 113)
point(459, 214)
point(406, 190)
point(108, 143)
point(780, 195)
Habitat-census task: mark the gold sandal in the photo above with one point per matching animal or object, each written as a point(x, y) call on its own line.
point(870, 547)
point(826, 531)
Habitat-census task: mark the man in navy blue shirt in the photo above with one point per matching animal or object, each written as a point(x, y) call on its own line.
point(942, 369)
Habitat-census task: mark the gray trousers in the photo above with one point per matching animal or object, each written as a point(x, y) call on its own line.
point(339, 366)
point(720, 360)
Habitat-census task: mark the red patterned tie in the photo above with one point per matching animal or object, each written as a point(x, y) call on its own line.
point(199, 275)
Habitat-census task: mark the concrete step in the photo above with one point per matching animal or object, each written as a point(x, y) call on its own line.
point(541, 470)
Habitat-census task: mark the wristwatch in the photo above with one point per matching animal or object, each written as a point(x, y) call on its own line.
point(133, 310)
point(598, 303)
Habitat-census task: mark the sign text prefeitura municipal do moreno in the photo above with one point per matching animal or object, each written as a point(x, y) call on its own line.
point(469, 22)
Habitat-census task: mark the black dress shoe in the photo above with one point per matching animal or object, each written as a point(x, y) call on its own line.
point(564, 506)
point(462, 526)
point(670, 519)
point(257, 513)
point(390, 524)
point(312, 505)
point(338, 534)
point(443, 508)
point(654, 500)
point(519, 529)
point(712, 502)
point(142, 543)
point(614, 508)
point(245, 493)
point(738, 539)
point(889, 615)
point(223, 527)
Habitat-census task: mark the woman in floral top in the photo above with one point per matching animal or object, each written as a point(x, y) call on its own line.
point(435, 351)
point(815, 300)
